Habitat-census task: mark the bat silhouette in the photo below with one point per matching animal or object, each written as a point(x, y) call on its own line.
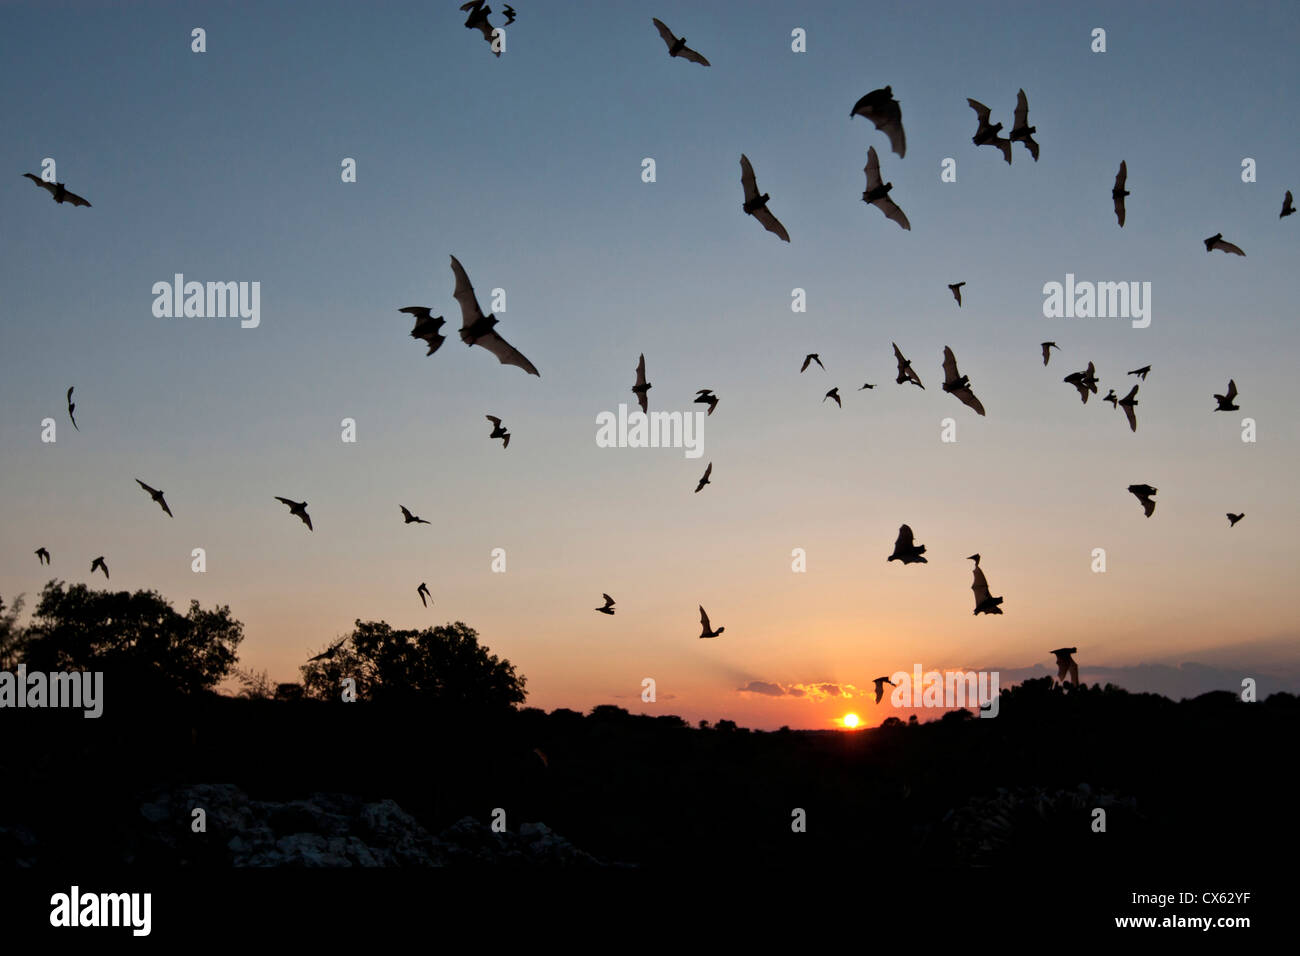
point(835, 394)
point(1119, 192)
point(1144, 494)
point(1085, 381)
point(677, 45)
point(642, 386)
point(1128, 403)
point(877, 192)
point(478, 329)
point(157, 496)
point(704, 479)
point(609, 605)
point(408, 518)
point(509, 11)
point(478, 20)
point(42, 556)
point(987, 134)
point(72, 407)
point(955, 289)
point(1141, 372)
point(1233, 519)
point(708, 631)
point(1047, 350)
point(423, 591)
point(957, 384)
point(1217, 241)
point(1065, 664)
point(1021, 131)
point(499, 432)
point(705, 396)
point(985, 603)
point(99, 563)
point(1288, 207)
point(905, 371)
point(1111, 397)
point(755, 204)
point(1225, 401)
point(811, 357)
point(905, 550)
point(880, 683)
point(329, 652)
point(883, 110)
point(427, 326)
point(866, 385)
point(58, 192)
point(298, 508)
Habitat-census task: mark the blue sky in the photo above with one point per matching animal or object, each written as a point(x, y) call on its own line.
point(225, 166)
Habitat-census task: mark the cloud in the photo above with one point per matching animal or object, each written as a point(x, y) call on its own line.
point(815, 691)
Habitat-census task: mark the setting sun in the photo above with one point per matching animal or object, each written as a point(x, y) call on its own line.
point(850, 720)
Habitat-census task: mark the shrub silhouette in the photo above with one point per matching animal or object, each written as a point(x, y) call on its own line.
point(443, 666)
point(11, 635)
point(137, 640)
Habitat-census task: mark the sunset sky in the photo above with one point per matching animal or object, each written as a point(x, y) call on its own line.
point(225, 166)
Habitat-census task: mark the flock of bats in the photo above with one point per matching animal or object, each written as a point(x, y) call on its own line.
point(884, 111)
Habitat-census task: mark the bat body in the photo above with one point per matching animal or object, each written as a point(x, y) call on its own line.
point(811, 357)
point(1217, 241)
point(427, 326)
point(72, 407)
point(705, 396)
point(609, 605)
point(1065, 664)
point(1233, 519)
point(408, 518)
point(1021, 131)
point(1288, 206)
point(755, 204)
point(883, 110)
point(877, 192)
point(905, 550)
point(479, 329)
point(706, 629)
point(704, 479)
point(58, 191)
point(1225, 401)
point(1118, 192)
point(157, 496)
point(642, 387)
point(955, 289)
point(478, 20)
point(42, 556)
point(677, 45)
point(957, 384)
point(985, 603)
point(425, 596)
point(1146, 495)
point(298, 508)
point(499, 432)
point(101, 564)
point(835, 394)
point(880, 683)
point(1085, 382)
point(905, 371)
point(987, 134)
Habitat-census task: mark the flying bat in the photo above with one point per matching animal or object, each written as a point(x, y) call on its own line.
point(157, 496)
point(708, 631)
point(905, 371)
point(1225, 401)
point(298, 508)
point(329, 652)
point(883, 110)
point(1047, 350)
point(955, 289)
point(705, 396)
point(985, 603)
point(905, 550)
point(755, 204)
point(58, 192)
point(987, 134)
point(811, 357)
point(478, 20)
point(498, 431)
point(425, 596)
point(835, 394)
point(1288, 207)
point(1021, 131)
point(642, 386)
point(877, 191)
point(1141, 372)
point(1144, 494)
point(72, 407)
point(958, 385)
point(42, 556)
point(478, 329)
point(609, 605)
point(704, 479)
point(1128, 403)
point(1119, 192)
point(1065, 664)
point(509, 11)
point(1111, 397)
point(1233, 519)
point(427, 326)
point(1217, 241)
point(1085, 381)
point(677, 45)
point(880, 683)
point(99, 563)
point(408, 518)
point(866, 385)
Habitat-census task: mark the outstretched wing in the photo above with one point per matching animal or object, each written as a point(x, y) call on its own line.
point(1022, 113)
point(48, 187)
point(771, 223)
point(1131, 415)
point(664, 32)
point(981, 587)
point(704, 619)
point(1232, 391)
point(981, 111)
point(1005, 146)
point(1226, 246)
point(469, 310)
point(883, 110)
point(891, 211)
point(950, 373)
point(968, 399)
point(74, 199)
point(151, 491)
point(1120, 179)
point(640, 371)
point(872, 169)
point(506, 353)
point(686, 53)
point(747, 179)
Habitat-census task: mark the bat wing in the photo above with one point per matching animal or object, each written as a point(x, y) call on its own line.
point(1005, 146)
point(891, 211)
point(771, 223)
point(950, 373)
point(74, 199)
point(469, 310)
point(48, 187)
point(887, 116)
point(968, 399)
point(1132, 417)
point(1122, 176)
point(640, 372)
point(747, 179)
point(981, 587)
point(1232, 391)
point(904, 540)
point(688, 54)
point(664, 32)
point(1229, 247)
point(704, 619)
point(981, 111)
point(1074, 673)
point(1119, 209)
point(506, 353)
point(1022, 113)
point(145, 487)
point(1033, 146)
point(163, 502)
point(872, 169)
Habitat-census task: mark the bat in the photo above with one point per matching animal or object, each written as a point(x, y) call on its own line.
point(642, 386)
point(905, 550)
point(877, 192)
point(427, 326)
point(883, 110)
point(1021, 131)
point(1119, 192)
point(677, 45)
point(1217, 241)
point(987, 134)
point(755, 204)
point(905, 371)
point(157, 496)
point(58, 192)
point(477, 328)
point(958, 385)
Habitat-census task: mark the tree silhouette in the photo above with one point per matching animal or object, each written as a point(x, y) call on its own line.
point(444, 666)
point(11, 635)
point(137, 638)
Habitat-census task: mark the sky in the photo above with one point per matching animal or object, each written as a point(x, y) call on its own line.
point(226, 166)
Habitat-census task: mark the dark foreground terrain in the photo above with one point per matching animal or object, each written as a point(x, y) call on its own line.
point(307, 783)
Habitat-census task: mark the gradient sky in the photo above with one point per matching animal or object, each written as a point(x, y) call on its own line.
point(225, 166)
